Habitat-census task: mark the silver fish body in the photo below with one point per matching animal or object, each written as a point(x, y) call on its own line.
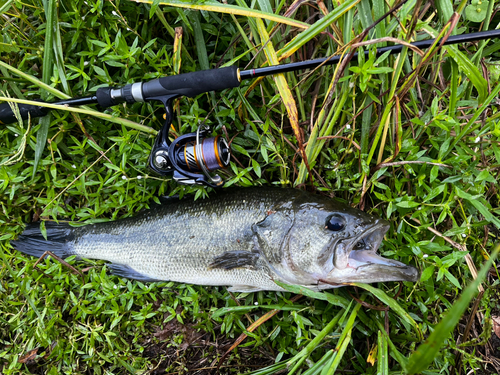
point(244, 238)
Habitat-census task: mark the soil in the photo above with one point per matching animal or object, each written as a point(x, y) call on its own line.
point(199, 353)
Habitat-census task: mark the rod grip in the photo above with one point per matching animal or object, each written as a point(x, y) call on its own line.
point(192, 84)
point(7, 115)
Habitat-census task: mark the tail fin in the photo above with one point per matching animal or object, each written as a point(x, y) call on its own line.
point(59, 240)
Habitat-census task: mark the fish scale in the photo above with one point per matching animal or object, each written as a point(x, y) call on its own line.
point(242, 238)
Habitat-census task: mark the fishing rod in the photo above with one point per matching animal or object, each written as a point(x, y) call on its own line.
point(192, 157)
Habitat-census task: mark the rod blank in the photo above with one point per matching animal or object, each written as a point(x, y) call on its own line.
point(309, 64)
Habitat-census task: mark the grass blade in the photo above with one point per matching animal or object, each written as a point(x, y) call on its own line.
point(282, 85)
point(265, 6)
point(5, 6)
point(322, 129)
point(470, 70)
point(365, 14)
point(318, 27)
point(231, 309)
point(44, 86)
point(164, 22)
point(425, 353)
point(382, 355)
point(393, 304)
point(315, 342)
point(344, 341)
point(59, 57)
point(177, 50)
point(104, 116)
point(273, 369)
point(395, 353)
point(445, 10)
point(332, 298)
point(12, 84)
point(379, 9)
point(468, 128)
point(479, 206)
point(199, 39)
point(318, 366)
point(453, 89)
point(365, 124)
point(213, 6)
point(48, 57)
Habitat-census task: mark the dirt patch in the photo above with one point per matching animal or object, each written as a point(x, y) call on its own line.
point(182, 348)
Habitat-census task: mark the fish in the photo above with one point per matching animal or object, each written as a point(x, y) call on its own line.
point(247, 239)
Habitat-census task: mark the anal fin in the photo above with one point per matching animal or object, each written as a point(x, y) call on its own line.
point(128, 272)
point(244, 288)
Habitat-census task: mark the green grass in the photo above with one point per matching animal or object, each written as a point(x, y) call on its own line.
point(415, 140)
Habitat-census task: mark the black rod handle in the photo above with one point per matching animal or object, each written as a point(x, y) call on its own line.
point(192, 84)
point(7, 115)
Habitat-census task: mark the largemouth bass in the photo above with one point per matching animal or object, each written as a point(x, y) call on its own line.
point(246, 239)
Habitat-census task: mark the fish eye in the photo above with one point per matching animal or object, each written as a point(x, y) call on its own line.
point(335, 223)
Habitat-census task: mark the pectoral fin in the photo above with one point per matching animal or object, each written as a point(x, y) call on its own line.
point(235, 259)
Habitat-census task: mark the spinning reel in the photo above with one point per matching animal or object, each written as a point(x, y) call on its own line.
point(190, 158)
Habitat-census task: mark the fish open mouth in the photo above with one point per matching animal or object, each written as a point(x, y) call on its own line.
point(360, 255)
point(362, 249)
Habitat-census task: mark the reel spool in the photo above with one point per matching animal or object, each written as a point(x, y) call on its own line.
point(204, 156)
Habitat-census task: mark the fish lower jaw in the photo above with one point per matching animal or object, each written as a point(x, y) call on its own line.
point(368, 258)
point(373, 273)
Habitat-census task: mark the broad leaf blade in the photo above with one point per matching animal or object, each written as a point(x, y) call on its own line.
point(471, 71)
point(213, 6)
point(48, 57)
point(281, 83)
